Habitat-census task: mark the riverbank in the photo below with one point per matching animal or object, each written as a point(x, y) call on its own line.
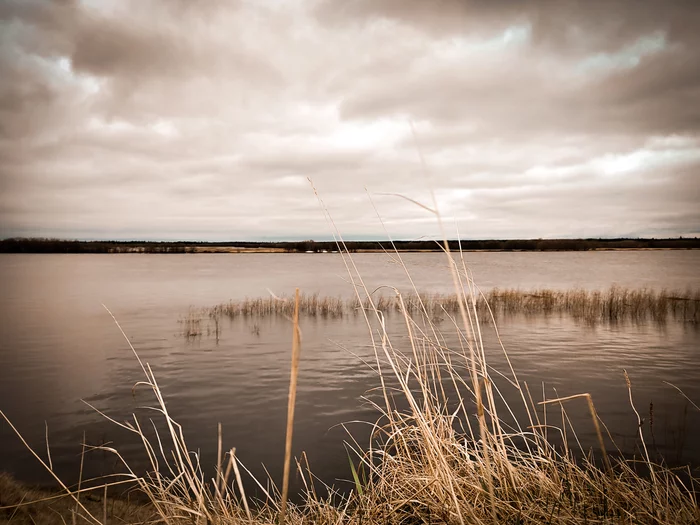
point(21, 504)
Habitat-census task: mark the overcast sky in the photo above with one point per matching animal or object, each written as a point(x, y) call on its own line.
point(202, 119)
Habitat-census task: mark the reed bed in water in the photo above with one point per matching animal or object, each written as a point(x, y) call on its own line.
point(446, 448)
point(615, 304)
point(272, 305)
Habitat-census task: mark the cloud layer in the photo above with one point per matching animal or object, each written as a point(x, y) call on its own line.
point(203, 120)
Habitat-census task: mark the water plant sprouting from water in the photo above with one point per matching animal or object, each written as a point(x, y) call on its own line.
point(614, 305)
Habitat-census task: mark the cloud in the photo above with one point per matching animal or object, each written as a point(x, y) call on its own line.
point(567, 26)
point(170, 119)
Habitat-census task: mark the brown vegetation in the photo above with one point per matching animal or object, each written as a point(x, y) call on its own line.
point(613, 305)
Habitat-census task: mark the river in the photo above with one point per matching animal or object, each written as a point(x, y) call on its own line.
point(59, 348)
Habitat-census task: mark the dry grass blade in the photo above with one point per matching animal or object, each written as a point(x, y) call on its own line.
point(68, 491)
point(594, 418)
point(296, 347)
point(239, 483)
point(683, 395)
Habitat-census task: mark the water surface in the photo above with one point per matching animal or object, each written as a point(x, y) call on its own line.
point(58, 346)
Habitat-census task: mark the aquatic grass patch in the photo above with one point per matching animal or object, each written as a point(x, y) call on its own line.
point(191, 325)
point(309, 304)
point(614, 305)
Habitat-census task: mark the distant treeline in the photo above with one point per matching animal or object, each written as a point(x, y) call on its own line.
point(41, 245)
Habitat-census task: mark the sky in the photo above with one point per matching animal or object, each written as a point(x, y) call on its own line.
point(207, 119)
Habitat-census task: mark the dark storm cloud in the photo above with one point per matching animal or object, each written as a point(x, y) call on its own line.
point(27, 102)
point(438, 18)
point(177, 119)
point(515, 97)
point(569, 26)
point(536, 87)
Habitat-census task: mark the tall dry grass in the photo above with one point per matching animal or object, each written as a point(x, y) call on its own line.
point(446, 446)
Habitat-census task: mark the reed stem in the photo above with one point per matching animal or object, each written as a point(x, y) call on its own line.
point(296, 347)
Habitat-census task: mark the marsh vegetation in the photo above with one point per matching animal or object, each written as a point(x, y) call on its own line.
point(446, 446)
point(614, 305)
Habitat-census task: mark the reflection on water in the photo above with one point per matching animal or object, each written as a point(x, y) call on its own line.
point(58, 346)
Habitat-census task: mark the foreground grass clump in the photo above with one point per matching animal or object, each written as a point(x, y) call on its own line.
point(446, 447)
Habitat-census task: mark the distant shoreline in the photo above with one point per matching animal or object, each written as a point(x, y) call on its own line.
point(40, 245)
point(377, 250)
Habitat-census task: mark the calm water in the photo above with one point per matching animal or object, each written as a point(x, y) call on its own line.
point(58, 346)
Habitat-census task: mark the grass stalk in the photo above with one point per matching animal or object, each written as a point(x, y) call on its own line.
point(296, 348)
